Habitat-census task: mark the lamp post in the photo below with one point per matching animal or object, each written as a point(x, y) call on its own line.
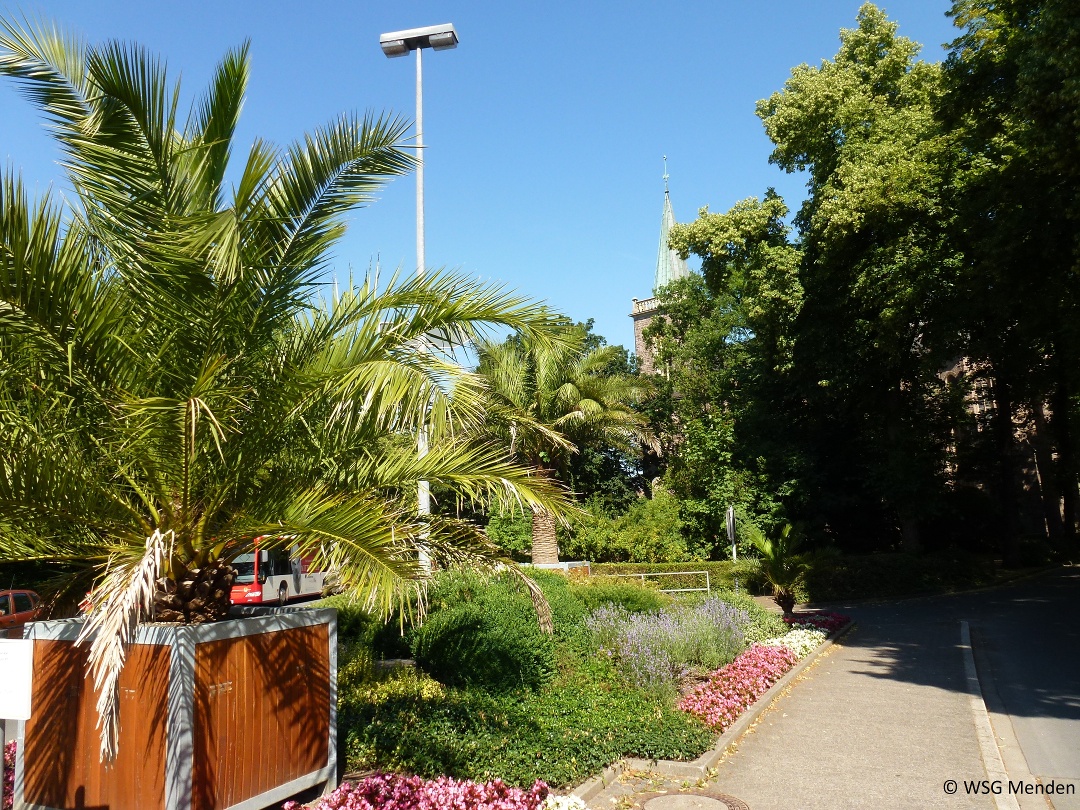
point(399, 43)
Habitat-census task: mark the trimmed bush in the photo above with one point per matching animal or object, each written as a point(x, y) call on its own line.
point(626, 593)
point(831, 576)
point(482, 632)
point(722, 573)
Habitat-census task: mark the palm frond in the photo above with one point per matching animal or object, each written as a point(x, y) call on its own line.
point(121, 601)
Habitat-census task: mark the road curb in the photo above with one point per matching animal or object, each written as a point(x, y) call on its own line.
point(699, 768)
point(984, 730)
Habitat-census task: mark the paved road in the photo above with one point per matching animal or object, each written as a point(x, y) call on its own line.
point(886, 719)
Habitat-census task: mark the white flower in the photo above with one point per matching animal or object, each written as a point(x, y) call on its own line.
point(553, 802)
point(801, 641)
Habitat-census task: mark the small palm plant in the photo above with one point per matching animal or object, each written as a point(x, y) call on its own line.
point(172, 382)
point(781, 564)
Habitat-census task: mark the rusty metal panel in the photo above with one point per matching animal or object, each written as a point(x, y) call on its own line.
point(61, 767)
point(262, 713)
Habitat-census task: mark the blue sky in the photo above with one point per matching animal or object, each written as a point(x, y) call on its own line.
point(545, 128)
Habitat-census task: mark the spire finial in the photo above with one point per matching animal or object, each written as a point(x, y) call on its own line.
point(665, 175)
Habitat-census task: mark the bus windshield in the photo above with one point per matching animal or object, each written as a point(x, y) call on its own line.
point(245, 568)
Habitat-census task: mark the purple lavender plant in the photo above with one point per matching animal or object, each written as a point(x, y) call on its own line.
point(653, 650)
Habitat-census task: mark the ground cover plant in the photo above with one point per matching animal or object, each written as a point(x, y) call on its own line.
point(474, 710)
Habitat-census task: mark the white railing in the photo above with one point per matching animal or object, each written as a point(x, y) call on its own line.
point(645, 305)
point(707, 589)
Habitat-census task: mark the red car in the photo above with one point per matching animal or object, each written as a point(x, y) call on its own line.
point(17, 608)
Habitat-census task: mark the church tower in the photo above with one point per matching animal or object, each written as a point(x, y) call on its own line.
point(669, 268)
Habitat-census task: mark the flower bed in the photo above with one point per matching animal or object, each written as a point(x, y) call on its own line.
point(731, 690)
point(8, 790)
point(829, 622)
point(386, 791)
point(734, 688)
point(651, 650)
point(802, 640)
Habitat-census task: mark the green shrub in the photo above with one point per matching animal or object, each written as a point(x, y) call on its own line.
point(511, 530)
point(359, 631)
point(562, 734)
point(626, 593)
point(482, 632)
point(650, 531)
point(567, 610)
point(722, 573)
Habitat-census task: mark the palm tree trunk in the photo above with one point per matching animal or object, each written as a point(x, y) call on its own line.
point(200, 595)
point(545, 544)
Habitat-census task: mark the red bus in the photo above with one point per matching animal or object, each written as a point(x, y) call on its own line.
point(275, 575)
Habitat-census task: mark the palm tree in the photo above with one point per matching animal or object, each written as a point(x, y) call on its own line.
point(173, 385)
point(781, 564)
point(552, 397)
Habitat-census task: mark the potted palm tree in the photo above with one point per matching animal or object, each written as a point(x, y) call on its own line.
point(781, 564)
point(173, 384)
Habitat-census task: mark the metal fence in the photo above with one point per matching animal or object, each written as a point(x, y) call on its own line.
point(707, 589)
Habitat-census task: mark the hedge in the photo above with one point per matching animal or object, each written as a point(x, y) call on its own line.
point(722, 574)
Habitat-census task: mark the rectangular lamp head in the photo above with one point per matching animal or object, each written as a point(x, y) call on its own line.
point(398, 43)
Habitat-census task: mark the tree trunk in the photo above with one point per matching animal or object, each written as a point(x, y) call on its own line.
point(545, 544)
point(1066, 461)
point(1005, 439)
point(910, 535)
point(200, 595)
point(1050, 495)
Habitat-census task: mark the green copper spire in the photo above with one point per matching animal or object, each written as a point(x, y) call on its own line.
point(669, 267)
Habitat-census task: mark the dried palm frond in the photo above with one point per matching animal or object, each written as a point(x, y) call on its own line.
point(126, 594)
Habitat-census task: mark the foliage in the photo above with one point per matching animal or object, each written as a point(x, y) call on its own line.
point(734, 688)
point(649, 531)
point(561, 734)
point(482, 632)
point(567, 610)
point(561, 731)
point(172, 385)
point(510, 530)
point(832, 577)
point(652, 651)
point(726, 339)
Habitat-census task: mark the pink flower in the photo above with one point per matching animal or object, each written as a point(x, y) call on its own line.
point(387, 791)
point(8, 789)
point(829, 622)
point(732, 689)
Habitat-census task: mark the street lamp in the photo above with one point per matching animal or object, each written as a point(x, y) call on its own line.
point(394, 44)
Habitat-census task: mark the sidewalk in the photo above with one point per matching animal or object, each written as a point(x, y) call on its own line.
point(882, 721)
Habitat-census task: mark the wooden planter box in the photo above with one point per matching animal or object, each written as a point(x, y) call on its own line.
point(235, 715)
